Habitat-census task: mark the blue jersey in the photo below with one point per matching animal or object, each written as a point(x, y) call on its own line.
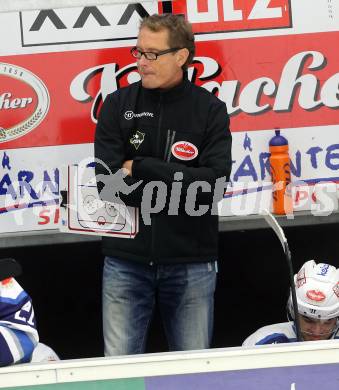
point(18, 334)
point(275, 334)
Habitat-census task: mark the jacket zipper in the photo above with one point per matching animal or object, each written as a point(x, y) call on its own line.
point(168, 140)
point(157, 151)
point(169, 151)
point(159, 127)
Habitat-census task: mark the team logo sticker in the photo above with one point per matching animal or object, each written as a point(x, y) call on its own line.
point(24, 101)
point(323, 269)
point(315, 295)
point(184, 150)
point(301, 279)
point(336, 289)
point(137, 139)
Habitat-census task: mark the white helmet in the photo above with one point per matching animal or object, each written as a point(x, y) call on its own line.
point(317, 291)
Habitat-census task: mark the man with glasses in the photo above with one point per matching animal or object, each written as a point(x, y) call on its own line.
point(317, 290)
point(163, 129)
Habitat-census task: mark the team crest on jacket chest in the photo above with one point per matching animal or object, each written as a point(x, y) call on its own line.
point(137, 139)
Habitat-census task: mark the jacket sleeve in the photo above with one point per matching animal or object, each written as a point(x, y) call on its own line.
point(18, 334)
point(108, 142)
point(215, 159)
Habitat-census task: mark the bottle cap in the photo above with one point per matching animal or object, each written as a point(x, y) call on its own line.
point(278, 140)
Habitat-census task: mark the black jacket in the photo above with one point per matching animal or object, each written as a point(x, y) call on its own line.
point(185, 129)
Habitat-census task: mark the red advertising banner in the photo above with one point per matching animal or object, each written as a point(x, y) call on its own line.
point(211, 16)
point(285, 81)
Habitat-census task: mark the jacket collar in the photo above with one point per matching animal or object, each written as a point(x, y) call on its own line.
point(169, 94)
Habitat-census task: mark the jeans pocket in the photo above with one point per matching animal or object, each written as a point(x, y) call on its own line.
point(196, 268)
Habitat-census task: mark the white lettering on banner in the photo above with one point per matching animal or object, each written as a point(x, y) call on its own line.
point(261, 10)
point(230, 13)
point(120, 21)
point(7, 103)
point(113, 22)
point(194, 16)
point(293, 78)
point(110, 75)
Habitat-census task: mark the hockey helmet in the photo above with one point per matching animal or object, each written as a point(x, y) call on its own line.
point(317, 291)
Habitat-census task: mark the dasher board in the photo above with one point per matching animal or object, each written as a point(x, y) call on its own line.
point(310, 365)
point(83, 212)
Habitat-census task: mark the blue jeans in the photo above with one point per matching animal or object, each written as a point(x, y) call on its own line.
point(184, 292)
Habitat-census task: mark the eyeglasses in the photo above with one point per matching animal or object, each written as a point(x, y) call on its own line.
point(150, 55)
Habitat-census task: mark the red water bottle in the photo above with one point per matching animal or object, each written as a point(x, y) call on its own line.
point(281, 174)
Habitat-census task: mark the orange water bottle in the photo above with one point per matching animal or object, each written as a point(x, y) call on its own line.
point(281, 174)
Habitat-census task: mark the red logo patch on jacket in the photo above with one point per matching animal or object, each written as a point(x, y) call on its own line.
point(184, 150)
